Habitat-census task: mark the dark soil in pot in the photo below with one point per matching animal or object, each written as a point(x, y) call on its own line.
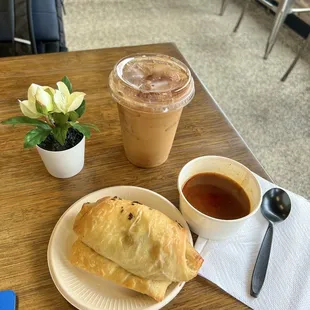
point(51, 144)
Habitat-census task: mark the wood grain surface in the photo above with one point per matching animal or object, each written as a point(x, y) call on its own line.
point(32, 201)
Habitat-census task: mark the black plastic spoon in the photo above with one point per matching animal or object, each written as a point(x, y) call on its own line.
point(275, 207)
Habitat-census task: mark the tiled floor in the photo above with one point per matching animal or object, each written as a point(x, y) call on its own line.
point(273, 117)
point(303, 4)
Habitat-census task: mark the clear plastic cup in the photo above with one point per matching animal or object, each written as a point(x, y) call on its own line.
point(151, 91)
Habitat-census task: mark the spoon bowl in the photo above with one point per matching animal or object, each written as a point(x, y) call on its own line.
point(276, 205)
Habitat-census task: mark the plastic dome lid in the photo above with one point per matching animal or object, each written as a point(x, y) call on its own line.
point(151, 83)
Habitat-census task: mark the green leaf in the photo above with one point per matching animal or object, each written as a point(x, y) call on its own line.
point(60, 133)
point(73, 116)
point(81, 109)
point(25, 120)
point(36, 136)
point(66, 80)
point(85, 130)
point(60, 119)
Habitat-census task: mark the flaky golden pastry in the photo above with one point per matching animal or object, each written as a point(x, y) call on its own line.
point(141, 240)
point(85, 258)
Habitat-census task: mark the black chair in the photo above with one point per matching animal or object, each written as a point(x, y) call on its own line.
point(31, 27)
point(7, 28)
point(48, 34)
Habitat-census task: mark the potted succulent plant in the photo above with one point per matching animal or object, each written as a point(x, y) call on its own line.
point(58, 135)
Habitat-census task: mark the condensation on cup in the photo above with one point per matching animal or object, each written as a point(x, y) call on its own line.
point(151, 91)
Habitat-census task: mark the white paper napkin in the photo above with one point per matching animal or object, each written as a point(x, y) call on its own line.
point(229, 263)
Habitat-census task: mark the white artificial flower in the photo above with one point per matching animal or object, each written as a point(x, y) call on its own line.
point(44, 99)
point(49, 90)
point(29, 109)
point(37, 94)
point(32, 92)
point(66, 102)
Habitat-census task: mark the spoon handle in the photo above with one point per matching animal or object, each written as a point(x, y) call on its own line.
point(261, 265)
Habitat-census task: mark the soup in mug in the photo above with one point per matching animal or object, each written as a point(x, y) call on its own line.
point(217, 196)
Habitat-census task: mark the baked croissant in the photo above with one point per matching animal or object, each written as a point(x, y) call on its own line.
point(85, 258)
point(139, 239)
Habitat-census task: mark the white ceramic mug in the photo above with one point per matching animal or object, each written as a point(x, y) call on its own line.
point(207, 226)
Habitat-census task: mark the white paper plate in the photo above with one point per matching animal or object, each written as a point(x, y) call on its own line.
point(89, 292)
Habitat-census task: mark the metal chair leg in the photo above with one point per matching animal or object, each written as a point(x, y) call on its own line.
point(283, 10)
point(304, 46)
point(63, 7)
point(223, 7)
point(245, 6)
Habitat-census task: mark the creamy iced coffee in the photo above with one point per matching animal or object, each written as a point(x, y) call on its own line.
point(151, 91)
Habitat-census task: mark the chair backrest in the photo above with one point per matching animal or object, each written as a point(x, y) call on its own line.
point(6, 27)
point(46, 17)
point(31, 26)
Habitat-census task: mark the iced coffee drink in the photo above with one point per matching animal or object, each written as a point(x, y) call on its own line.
point(151, 91)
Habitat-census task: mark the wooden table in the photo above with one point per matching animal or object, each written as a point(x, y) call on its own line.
point(32, 201)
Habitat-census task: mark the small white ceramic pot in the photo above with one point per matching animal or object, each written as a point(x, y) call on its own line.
point(64, 164)
point(207, 226)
